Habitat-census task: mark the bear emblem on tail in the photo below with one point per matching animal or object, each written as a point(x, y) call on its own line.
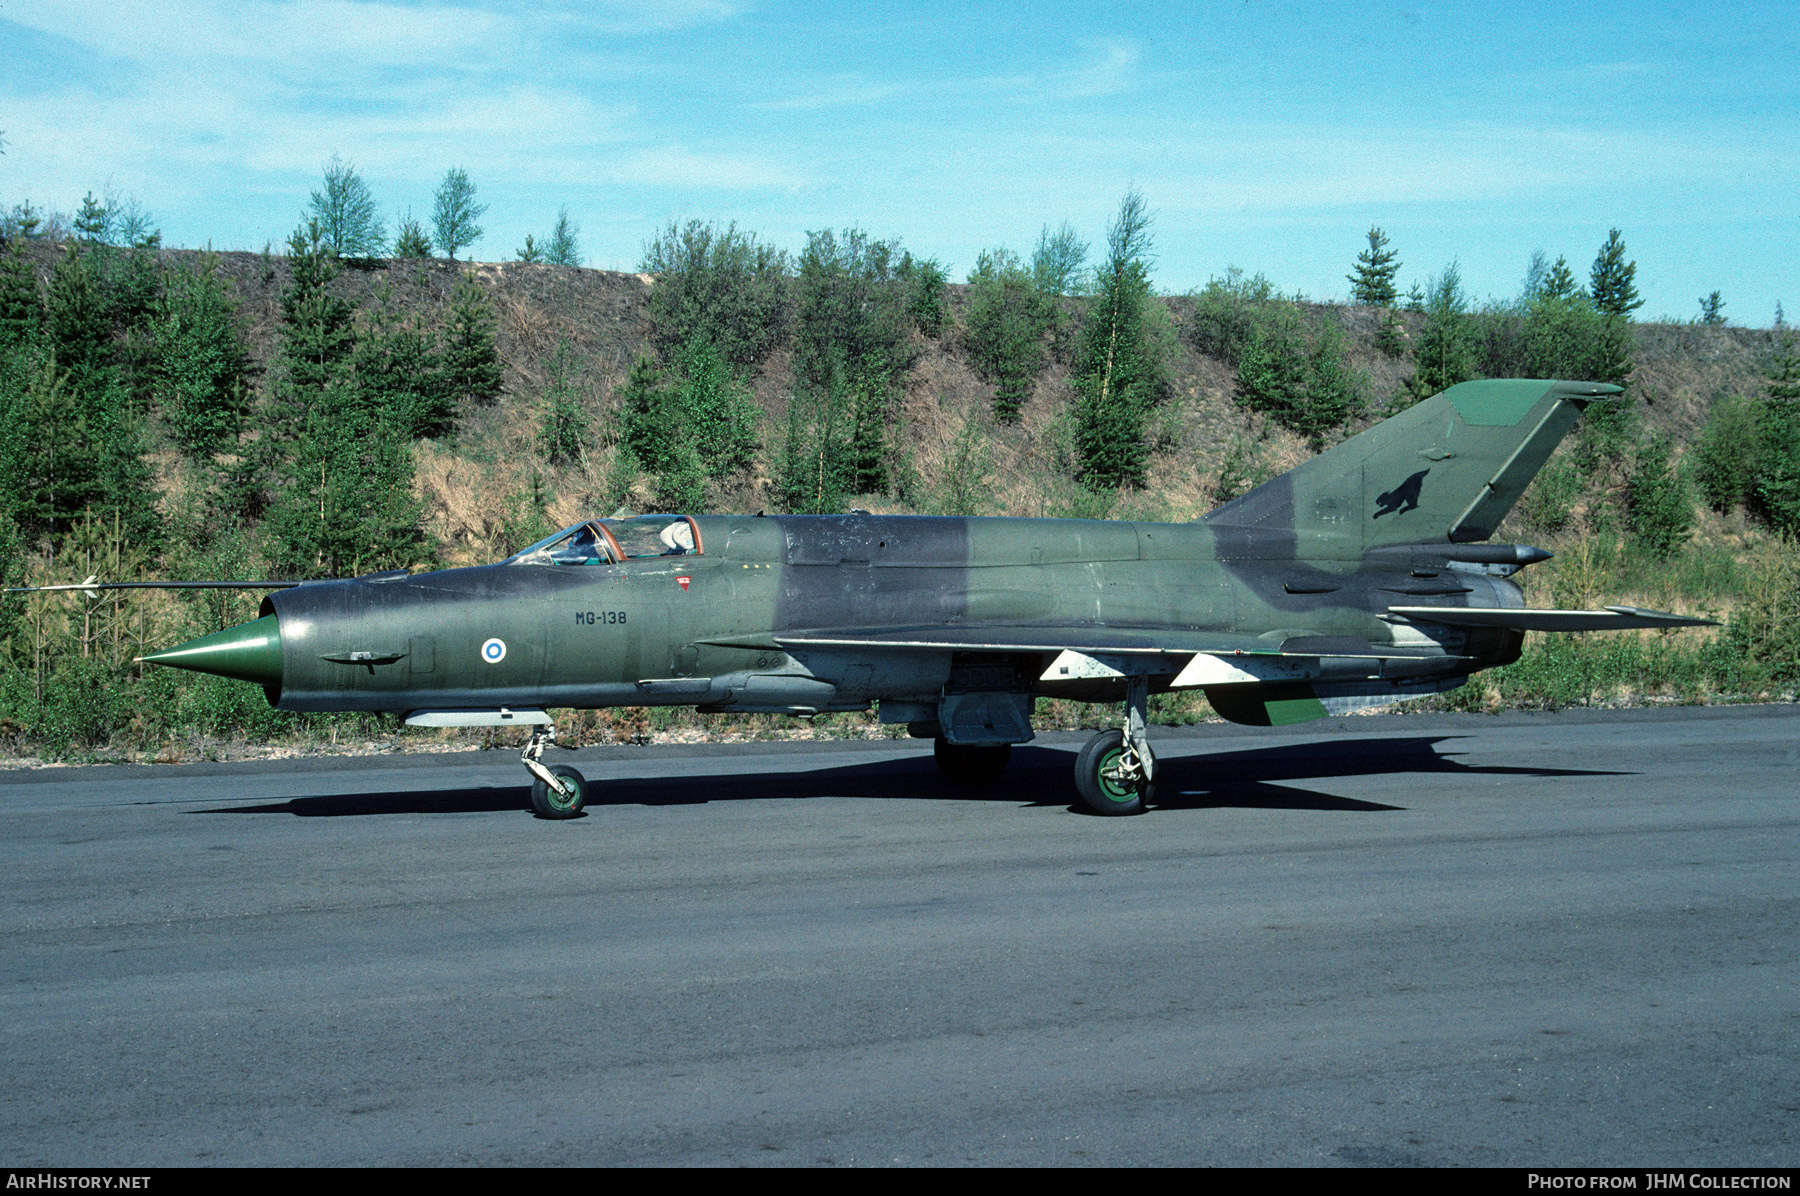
point(1402, 498)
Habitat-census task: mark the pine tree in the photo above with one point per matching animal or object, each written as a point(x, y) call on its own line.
point(346, 213)
point(530, 253)
point(1558, 282)
point(1376, 266)
point(1712, 309)
point(1611, 283)
point(93, 224)
point(455, 213)
point(1120, 367)
point(564, 248)
point(410, 240)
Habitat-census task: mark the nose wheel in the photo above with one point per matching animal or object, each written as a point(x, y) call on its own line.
point(557, 790)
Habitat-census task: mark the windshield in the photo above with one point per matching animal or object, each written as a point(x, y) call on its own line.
point(583, 544)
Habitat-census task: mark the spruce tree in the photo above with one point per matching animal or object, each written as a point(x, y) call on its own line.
point(563, 429)
point(646, 416)
point(98, 468)
point(1376, 266)
point(341, 452)
point(400, 372)
point(1659, 503)
point(1446, 349)
point(1775, 490)
point(473, 375)
point(21, 310)
point(203, 363)
point(925, 281)
point(318, 333)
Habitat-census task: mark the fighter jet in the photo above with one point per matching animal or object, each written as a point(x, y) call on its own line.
point(1363, 577)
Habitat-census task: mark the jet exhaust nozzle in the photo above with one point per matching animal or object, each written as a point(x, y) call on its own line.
point(248, 652)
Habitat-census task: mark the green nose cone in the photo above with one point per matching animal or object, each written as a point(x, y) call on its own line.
point(248, 652)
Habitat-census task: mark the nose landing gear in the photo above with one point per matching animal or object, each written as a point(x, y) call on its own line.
point(557, 791)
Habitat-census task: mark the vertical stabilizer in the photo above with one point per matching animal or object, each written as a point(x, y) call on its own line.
point(1446, 470)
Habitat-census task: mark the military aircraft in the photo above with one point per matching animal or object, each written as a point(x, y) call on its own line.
point(1360, 578)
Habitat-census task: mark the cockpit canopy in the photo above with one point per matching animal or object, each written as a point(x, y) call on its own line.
point(609, 541)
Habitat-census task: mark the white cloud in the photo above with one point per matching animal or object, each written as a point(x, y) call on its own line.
point(215, 34)
point(1114, 72)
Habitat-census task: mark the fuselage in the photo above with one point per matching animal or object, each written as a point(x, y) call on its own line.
point(700, 624)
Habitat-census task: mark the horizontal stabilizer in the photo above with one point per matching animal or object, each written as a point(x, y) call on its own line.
point(1613, 618)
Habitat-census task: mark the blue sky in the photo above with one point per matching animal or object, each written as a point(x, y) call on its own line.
point(1267, 136)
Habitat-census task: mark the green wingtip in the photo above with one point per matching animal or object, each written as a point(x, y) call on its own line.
point(248, 652)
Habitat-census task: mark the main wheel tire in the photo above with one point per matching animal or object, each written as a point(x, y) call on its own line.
point(1099, 793)
point(549, 803)
point(962, 764)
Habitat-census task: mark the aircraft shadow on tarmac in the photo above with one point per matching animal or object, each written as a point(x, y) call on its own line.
point(1037, 776)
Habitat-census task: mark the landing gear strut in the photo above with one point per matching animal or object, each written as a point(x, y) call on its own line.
point(557, 791)
point(1115, 771)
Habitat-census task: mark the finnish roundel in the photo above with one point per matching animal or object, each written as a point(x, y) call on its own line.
point(494, 651)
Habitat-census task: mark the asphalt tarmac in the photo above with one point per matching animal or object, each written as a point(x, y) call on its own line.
point(1565, 940)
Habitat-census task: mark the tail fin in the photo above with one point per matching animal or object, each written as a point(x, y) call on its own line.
point(1446, 470)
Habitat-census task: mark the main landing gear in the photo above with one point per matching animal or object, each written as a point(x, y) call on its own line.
point(1115, 772)
point(557, 791)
